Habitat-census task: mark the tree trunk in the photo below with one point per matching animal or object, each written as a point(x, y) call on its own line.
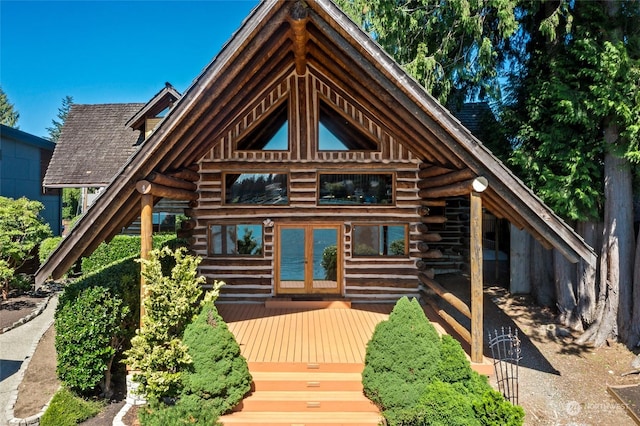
point(616, 265)
point(520, 259)
point(587, 283)
point(542, 288)
point(565, 281)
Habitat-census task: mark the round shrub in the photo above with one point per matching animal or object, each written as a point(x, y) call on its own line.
point(219, 375)
point(442, 405)
point(454, 365)
point(493, 410)
point(402, 357)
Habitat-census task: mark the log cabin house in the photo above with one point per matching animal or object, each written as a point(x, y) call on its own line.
point(314, 167)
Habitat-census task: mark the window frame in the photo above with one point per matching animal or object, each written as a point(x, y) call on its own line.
point(392, 179)
point(354, 240)
point(225, 201)
point(236, 224)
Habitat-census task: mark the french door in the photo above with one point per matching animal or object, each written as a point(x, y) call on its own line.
point(309, 259)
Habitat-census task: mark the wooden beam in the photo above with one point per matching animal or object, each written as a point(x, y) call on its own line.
point(298, 18)
point(454, 189)
point(451, 321)
point(428, 170)
point(185, 174)
point(476, 277)
point(146, 187)
point(146, 243)
point(446, 295)
point(447, 179)
point(171, 182)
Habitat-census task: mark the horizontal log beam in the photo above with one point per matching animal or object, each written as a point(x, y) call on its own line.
point(446, 295)
point(429, 171)
point(146, 187)
point(446, 179)
point(431, 254)
point(433, 219)
point(433, 203)
point(185, 174)
point(429, 237)
point(478, 184)
point(171, 182)
point(451, 321)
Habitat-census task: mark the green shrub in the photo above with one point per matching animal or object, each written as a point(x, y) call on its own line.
point(89, 334)
point(67, 409)
point(454, 365)
point(402, 357)
point(215, 353)
point(493, 410)
point(440, 405)
point(214, 383)
point(120, 247)
point(110, 299)
point(21, 231)
point(47, 246)
point(157, 352)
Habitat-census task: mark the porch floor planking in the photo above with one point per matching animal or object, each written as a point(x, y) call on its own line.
point(284, 335)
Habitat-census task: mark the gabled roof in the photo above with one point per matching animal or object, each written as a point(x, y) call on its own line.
point(266, 46)
point(162, 100)
point(93, 145)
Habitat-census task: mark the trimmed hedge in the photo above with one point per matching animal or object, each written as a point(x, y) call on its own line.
point(418, 378)
point(121, 247)
point(95, 318)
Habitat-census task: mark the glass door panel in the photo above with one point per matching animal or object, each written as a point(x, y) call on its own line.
point(325, 258)
point(308, 260)
point(292, 258)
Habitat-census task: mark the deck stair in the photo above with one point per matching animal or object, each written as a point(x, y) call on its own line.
point(297, 394)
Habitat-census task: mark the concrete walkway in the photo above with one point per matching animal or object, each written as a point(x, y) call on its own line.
point(16, 349)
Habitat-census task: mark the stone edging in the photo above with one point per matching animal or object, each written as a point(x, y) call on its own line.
point(13, 396)
point(39, 309)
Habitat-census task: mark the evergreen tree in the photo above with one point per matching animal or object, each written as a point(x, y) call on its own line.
point(8, 115)
point(454, 48)
point(574, 119)
point(63, 111)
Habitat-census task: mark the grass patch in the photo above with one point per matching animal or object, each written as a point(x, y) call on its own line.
point(68, 409)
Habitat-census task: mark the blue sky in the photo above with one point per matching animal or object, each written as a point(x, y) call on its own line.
point(106, 51)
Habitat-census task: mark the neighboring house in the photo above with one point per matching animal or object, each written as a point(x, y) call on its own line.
point(23, 162)
point(96, 142)
point(314, 166)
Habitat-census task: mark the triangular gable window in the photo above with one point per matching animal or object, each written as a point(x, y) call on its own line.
point(336, 133)
point(271, 134)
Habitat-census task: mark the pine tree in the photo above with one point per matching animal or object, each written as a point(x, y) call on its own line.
point(63, 111)
point(8, 115)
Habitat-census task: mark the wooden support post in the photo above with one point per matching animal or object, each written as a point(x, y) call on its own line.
point(146, 242)
point(479, 185)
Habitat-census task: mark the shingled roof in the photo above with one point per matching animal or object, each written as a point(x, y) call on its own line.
point(94, 144)
point(262, 48)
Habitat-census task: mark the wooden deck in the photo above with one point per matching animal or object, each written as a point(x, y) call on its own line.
point(306, 359)
point(302, 335)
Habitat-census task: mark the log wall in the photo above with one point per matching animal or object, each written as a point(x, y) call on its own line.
point(363, 278)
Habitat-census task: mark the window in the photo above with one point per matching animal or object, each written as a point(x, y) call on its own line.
point(256, 188)
point(336, 133)
point(271, 134)
point(380, 240)
point(235, 240)
point(354, 188)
